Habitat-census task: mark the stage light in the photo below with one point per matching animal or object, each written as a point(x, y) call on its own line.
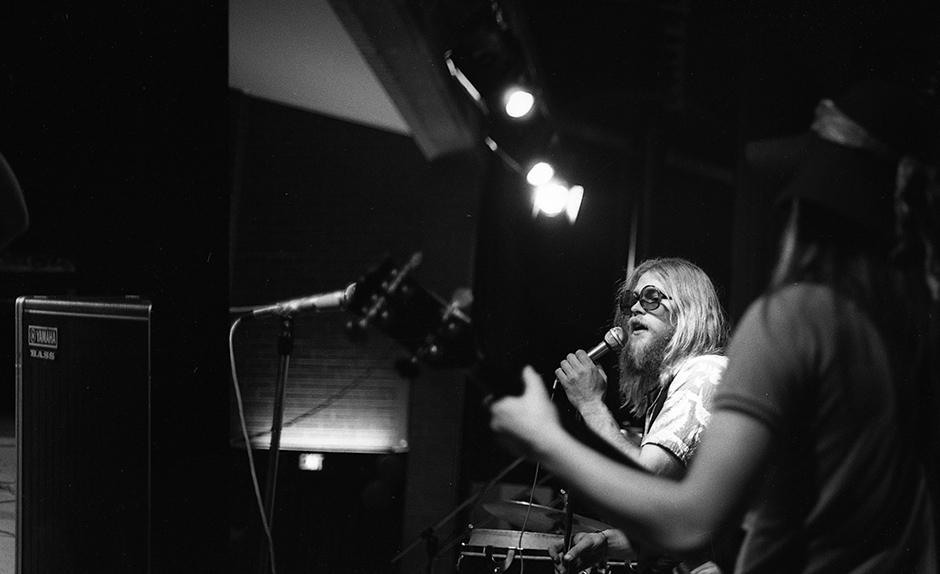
point(573, 204)
point(518, 102)
point(551, 199)
point(310, 461)
point(555, 198)
point(540, 174)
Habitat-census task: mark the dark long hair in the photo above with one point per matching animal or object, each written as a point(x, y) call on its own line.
point(888, 281)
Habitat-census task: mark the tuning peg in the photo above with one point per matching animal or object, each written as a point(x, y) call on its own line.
point(432, 352)
point(356, 331)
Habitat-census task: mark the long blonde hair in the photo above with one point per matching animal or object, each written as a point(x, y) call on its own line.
point(699, 320)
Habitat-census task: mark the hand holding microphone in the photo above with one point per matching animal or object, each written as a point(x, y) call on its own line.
point(613, 341)
point(584, 382)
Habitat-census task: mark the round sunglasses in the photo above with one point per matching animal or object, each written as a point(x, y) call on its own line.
point(649, 297)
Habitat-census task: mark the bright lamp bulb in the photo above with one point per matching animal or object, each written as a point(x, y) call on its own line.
point(540, 174)
point(573, 202)
point(519, 103)
point(310, 461)
point(551, 199)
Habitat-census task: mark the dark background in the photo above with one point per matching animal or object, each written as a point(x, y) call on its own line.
point(121, 129)
point(113, 119)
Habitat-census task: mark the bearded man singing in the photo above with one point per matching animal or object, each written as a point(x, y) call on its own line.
point(670, 365)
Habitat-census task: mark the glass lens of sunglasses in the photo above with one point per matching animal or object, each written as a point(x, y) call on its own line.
point(651, 295)
point(627, 301)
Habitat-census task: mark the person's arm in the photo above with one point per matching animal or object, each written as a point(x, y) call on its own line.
point(585, 385)
point(674, 516)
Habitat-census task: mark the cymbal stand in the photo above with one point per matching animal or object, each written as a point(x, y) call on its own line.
point(569, 518)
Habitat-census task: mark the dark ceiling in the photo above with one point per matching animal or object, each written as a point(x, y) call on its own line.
point(607, 69)
point(597, 60)
point(610, 69)
point(610, 63)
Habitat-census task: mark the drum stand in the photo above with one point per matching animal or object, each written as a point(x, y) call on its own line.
point(429, 534)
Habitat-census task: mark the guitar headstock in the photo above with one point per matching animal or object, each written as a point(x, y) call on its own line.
point(435, 332)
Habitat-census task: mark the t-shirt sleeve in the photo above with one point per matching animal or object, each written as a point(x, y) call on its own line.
point(679, 425)
point(770, 356)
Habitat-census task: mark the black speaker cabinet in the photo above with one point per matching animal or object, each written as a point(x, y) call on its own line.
point(83, 435)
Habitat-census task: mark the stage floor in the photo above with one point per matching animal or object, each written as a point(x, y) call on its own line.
point(7, 496)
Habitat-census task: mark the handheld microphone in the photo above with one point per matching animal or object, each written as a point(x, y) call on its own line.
point(613, 341)
point(320, 302)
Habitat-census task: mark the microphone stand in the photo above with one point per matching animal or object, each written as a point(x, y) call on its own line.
point(285, 345)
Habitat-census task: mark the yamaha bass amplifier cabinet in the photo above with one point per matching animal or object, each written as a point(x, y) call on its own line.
point(83, 435)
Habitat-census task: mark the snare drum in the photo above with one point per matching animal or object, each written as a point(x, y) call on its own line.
point(488, 552)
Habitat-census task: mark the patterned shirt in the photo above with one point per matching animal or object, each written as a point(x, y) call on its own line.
point(678, 417)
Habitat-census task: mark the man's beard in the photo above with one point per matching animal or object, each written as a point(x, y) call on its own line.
point(641, 366)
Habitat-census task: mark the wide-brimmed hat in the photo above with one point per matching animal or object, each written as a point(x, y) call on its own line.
point(850, 163)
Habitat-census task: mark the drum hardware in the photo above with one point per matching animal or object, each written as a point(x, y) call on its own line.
point(496, 551)
point(429, 536)
point(491, 551)
point(538, 518)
